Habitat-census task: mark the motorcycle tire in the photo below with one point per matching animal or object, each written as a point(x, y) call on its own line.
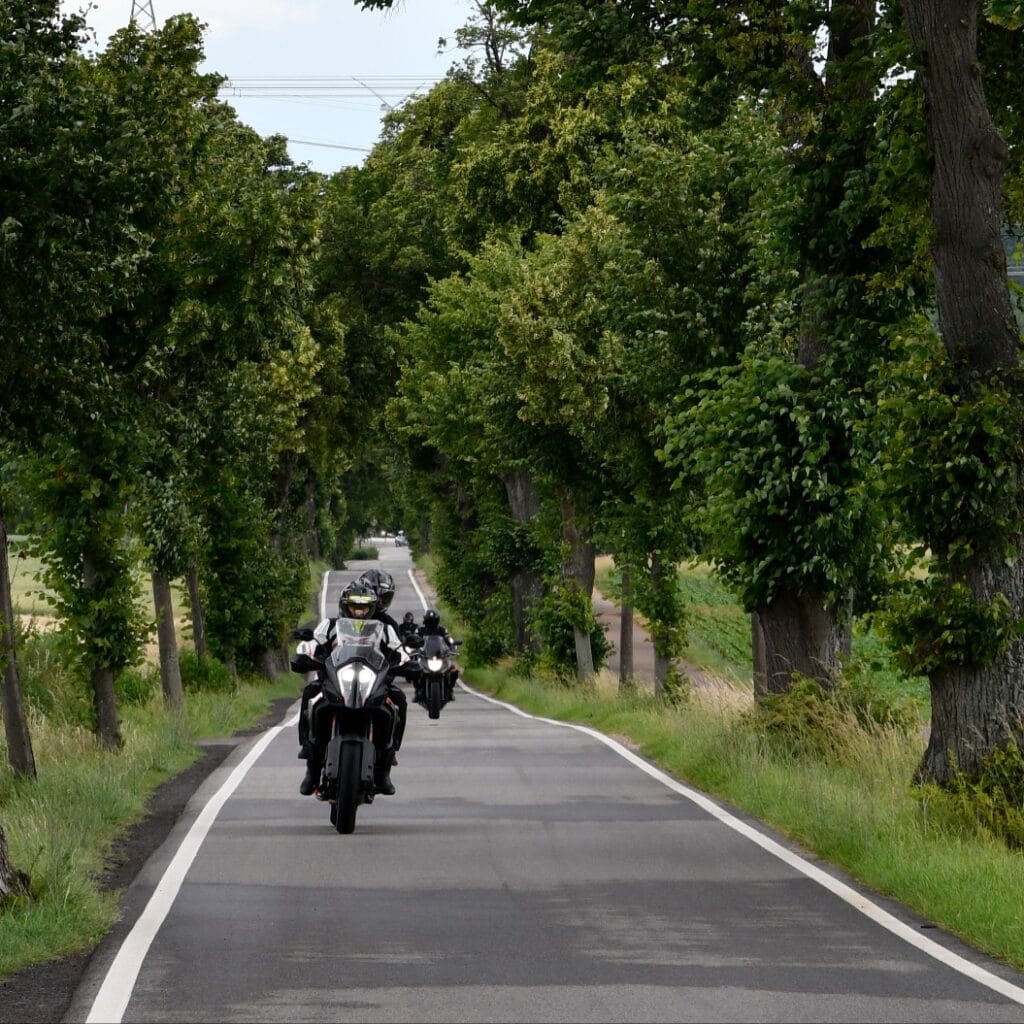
point(435, 697)
point(343, 813)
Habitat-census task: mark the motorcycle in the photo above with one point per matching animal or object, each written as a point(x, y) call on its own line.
point(433, 661)
point(352, 709)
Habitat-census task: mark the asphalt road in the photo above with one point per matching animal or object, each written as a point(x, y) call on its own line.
point(524, 871)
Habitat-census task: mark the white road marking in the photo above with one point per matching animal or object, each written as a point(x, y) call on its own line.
point(119, 982)
point(416, 587)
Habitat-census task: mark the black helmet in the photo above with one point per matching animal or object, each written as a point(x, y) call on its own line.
point(431, 620)
point(358, 601)
point(408, 619)
point(383, 583)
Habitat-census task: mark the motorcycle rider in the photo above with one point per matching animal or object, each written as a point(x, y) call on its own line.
point(358, 600)
point(384, 583)
point(432, 627)
point(408, 626)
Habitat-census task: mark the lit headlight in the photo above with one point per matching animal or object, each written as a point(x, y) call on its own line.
point(434, 664)
point(348, 674)
point(366, 675)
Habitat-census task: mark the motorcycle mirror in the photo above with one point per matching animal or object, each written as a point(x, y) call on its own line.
point(302, 633)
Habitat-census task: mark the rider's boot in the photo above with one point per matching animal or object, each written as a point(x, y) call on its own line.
point(382, 775)
point(307, 787)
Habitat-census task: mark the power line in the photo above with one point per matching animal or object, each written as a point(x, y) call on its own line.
point(329, 145)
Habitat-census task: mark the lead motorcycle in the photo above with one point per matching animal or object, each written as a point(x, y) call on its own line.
point(432, 661)
point(352, 709)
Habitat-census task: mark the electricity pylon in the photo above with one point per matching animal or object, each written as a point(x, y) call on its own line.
point(143, 16)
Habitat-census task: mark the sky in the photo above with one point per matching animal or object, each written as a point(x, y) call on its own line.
point(344, 66)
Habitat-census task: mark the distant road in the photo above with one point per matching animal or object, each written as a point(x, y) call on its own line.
point(524, 871)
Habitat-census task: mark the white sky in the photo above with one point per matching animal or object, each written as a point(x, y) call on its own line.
point(307, 40)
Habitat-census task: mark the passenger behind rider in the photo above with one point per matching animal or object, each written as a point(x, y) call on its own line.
point(359, 600)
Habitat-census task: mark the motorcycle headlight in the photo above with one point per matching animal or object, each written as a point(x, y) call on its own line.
point(366, 675)
point(348, 674)
point(434, 664)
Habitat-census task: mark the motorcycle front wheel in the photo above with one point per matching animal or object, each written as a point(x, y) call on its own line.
point(350, 768)
point(435, 697)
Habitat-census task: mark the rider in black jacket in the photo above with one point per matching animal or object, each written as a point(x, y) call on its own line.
point(358, 601)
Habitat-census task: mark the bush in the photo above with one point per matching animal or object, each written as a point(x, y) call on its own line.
point(51, 678)
point(205, 675)
point(993, 798)
point(363, 554)
point(137, 685)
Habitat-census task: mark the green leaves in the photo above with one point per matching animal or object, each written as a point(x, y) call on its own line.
point(1008, 13)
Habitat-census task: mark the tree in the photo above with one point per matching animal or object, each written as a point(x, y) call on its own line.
point(68, 246)
point(966, 431)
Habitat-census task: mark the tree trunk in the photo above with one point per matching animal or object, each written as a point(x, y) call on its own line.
point(195, 601)
point(104, 701)
point(626, 630)
point(527, 585)
point(312, 534)
point(797, 633)
point(167, 640)
point(975, 709)
point(12, 881)
point(266, 664)
point(19, 742)
point(579, 572)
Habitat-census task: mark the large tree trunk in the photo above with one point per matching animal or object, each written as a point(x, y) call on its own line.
point(19, 742)
point(974, 709)
point(526, 583)
point(167, 641)
point(579, 572)
point(797, 633)
point(12, 881)
point(626, 630)
point(195, 601)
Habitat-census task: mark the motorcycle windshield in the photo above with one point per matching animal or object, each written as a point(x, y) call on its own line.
point(434, 646)
point(359, 638)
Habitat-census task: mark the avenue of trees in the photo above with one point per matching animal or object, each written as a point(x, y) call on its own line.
point(660, 279)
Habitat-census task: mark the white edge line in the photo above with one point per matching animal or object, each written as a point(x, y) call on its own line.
point(323, 596)
point(112, 999)
point(840, 889)
point(416, 587)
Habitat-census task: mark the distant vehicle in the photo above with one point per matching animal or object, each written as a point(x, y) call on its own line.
point(401, 541)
